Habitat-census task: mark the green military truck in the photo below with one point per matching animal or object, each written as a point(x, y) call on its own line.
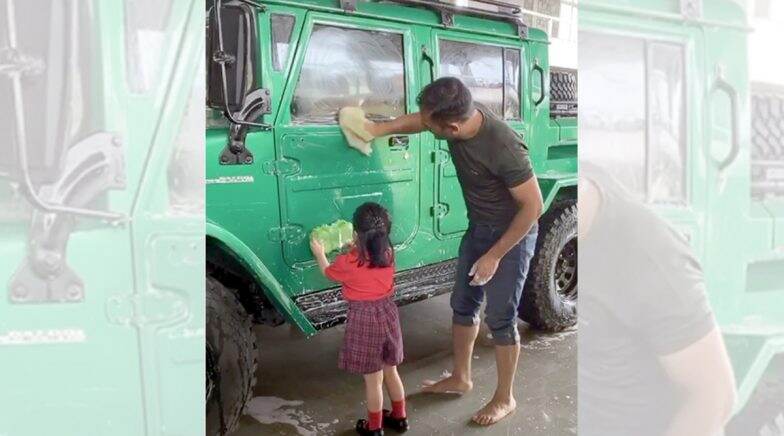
point(277, 164)
point(675, 117)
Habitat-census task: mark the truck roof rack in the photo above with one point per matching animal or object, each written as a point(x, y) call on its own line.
point(505, 11)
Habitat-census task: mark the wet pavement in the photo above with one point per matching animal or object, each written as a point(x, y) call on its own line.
point(302, 392)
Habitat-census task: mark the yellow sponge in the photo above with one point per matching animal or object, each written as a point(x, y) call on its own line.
point(353, 118)
point(357, 143)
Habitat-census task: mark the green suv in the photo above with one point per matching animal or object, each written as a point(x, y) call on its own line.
point(277, 164)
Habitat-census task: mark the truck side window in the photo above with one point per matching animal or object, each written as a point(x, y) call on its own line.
point(491, 73)
point(666, 118)
point(512, 84)
point(350, 67)
point(282, 26)
point(635, 114)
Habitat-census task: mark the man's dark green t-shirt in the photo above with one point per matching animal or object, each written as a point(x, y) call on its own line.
point(487, 165)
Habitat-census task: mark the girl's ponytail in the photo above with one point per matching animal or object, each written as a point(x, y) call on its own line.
point(372, 224)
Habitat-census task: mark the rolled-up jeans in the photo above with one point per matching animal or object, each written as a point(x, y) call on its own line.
point(504, 290)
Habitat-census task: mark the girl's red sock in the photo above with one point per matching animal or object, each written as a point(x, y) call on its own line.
point(399, 409)
point(374, 420)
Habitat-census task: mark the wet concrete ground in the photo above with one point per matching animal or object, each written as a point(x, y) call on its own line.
point(301, 390)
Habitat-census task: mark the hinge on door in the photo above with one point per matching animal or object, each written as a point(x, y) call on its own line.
point(691, 9)
point(285, 234)
point(447, 18)
point(439, 210)
point(348, 5)
point(281, 167)
point(439, 157)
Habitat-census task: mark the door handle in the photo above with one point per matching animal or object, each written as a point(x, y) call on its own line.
point(429, 60)
point(400, 141)
point(721, 84)
point(541, 83)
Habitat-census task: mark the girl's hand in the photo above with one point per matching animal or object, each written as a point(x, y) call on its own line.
point(316, 247)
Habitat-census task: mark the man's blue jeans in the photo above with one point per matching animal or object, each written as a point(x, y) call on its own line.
point(503, 291)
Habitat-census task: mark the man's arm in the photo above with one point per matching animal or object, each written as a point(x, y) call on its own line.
point(703, 375)
point(408, 123)
point(529, 202)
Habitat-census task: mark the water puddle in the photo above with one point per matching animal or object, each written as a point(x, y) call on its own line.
point(274, 410)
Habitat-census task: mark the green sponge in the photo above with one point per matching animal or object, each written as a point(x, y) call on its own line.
point(334, 236)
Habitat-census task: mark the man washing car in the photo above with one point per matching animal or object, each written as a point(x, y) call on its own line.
point(503, 202)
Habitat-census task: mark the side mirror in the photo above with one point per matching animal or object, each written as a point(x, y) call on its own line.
point(232, 55)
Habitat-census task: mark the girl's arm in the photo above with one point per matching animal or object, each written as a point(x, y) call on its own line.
point(318, 253)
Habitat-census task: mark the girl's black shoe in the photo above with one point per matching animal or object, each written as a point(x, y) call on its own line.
point(362, 428)
point(400, 425)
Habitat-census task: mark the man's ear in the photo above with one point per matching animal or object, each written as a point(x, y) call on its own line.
point(454, 128)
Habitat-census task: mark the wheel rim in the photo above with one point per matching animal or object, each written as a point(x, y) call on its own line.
point(565, 271)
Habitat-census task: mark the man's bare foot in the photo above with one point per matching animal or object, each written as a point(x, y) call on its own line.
point(448, 385)
point(494, 411)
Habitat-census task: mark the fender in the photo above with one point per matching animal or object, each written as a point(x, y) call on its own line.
point(554, 186)
point(262, 276)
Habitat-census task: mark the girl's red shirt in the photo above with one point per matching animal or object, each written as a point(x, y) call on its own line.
point(361, 283)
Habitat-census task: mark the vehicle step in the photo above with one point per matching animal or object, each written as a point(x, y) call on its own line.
point(327, 308)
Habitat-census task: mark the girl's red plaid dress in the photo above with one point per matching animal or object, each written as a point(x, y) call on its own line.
point(373, 337)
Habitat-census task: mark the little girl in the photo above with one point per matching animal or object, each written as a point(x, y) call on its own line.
point(373, 345)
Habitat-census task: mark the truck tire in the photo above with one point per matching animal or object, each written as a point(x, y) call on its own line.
point(563, 84)
point(767, 141)
point(549, 299)
point(231, 359)
point(563, 92)
point(767, 126)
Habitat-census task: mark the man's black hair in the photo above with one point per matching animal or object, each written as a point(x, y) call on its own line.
point(446, 100)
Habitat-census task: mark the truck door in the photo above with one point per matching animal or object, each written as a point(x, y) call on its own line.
point(345, 61)
point(490, 67)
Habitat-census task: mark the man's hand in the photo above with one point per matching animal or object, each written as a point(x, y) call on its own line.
point(484, 269)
